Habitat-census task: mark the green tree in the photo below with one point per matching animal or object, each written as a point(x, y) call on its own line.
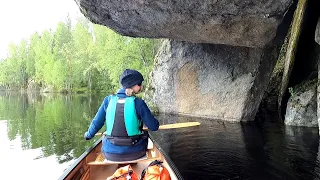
point(30, 62)
point(118, 52)
point(83, 57)
point(63, 55)
point(44, 59)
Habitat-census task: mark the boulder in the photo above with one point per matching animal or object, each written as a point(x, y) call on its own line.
point(302, 105)
point(214, 81)
point(249, 23)
point(317, 33)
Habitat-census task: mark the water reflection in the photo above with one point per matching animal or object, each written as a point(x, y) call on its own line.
point(45, 128)
point(221, 150)
point(48, 130)
point(18, 163)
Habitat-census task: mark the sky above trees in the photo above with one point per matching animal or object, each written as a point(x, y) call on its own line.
point(20, 18)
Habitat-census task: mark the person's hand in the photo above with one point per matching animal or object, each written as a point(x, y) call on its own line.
point(86, 137)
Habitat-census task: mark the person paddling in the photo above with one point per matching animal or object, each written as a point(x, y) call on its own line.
point(124, 115)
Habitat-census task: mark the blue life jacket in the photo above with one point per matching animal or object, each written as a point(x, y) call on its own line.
point(123, 126)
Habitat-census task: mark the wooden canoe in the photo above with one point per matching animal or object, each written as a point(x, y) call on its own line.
point(92, 165)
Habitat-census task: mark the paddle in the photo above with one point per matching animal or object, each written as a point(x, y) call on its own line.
point(169, 126)
point(179, 125)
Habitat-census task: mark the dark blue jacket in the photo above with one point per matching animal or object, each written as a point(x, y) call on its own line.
point(143, 113)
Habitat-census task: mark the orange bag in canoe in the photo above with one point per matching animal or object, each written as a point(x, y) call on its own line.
point(124, 173)
point(155, 171)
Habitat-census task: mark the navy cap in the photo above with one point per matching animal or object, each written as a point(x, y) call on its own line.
point(130, 77)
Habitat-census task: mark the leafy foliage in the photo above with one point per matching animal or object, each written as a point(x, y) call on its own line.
point(83, 57)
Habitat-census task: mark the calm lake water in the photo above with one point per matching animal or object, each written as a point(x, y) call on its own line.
point(40, 136)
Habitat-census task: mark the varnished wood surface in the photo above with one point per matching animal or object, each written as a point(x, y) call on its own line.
point(93, 166)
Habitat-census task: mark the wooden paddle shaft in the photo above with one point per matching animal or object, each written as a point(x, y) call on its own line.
point(179, 125)
point(169, 126)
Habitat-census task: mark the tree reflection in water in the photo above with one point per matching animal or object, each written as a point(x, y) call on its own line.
point(53, 123)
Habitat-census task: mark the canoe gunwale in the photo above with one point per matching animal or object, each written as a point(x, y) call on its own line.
point(79, 160)
point(167, 158)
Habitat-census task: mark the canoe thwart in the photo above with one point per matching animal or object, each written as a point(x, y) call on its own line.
point(100, 160)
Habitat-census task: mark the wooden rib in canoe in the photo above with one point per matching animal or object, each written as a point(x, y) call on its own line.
point(92, 165)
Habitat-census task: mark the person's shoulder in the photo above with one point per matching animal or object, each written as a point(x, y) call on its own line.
point(107, 98)
point(137, 98)
point(139, 101)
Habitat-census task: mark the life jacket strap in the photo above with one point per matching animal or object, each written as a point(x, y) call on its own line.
point(124, 141)
point(127, 140)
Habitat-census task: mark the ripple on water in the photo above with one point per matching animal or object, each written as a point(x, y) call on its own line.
point(222, 150)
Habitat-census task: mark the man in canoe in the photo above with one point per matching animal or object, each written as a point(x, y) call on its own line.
point(124, 115)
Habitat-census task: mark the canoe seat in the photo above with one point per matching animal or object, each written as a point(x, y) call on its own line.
point(100, 160)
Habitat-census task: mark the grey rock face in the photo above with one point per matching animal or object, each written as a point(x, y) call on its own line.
point(318, 86)
point(302, 106)
point(317, 34)
point(215, 81)
point(250, 23)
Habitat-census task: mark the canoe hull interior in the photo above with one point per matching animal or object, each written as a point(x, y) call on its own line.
point(91, 164)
